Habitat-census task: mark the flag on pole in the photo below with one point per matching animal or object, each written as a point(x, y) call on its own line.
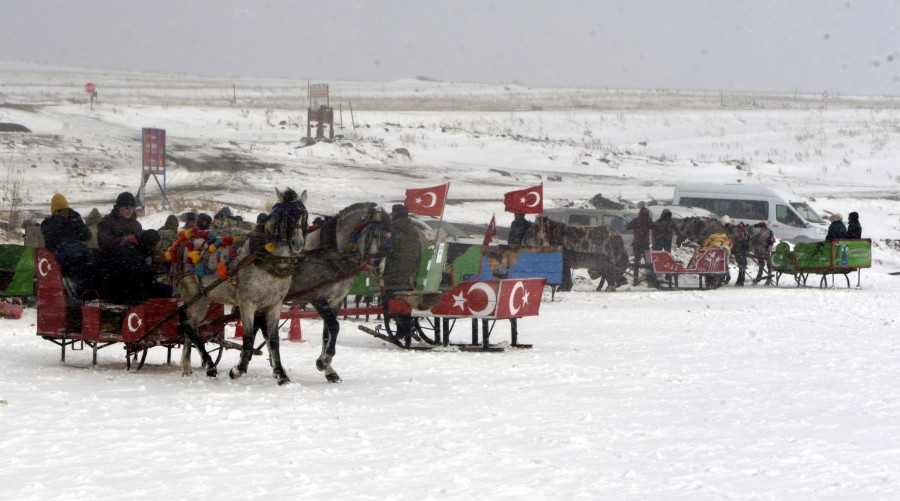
point(490, 233)
point(527, 201)
point(427, 201)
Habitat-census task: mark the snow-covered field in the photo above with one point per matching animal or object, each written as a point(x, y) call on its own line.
point(736, 393)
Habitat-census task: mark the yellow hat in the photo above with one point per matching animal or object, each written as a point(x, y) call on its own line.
point(58, 202)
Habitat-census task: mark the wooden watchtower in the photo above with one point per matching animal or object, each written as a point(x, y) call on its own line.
point(320, 112)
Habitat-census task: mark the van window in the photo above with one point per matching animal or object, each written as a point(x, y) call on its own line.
point(615, 222)
point(807, 212)
point(785, 215)
point(740, 209)
point(581, 220)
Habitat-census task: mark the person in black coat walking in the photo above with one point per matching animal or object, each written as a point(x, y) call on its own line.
point(854, 230)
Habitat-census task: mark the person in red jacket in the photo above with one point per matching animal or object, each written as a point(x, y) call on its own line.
point(641, 226)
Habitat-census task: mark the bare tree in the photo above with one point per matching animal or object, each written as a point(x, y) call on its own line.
point(14, 193)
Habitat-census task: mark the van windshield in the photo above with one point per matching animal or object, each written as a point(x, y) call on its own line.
point(807, 212)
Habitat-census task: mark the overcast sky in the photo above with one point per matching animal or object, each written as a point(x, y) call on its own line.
point(843, 46)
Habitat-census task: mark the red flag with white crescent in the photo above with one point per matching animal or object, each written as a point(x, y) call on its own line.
point(520, 298)
point(469, 299)
point(427, 201)
point(527, 201)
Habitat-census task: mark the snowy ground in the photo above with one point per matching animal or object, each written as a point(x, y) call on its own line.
point(737, 393)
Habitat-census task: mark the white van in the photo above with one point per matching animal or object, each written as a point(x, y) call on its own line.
point(788, 215)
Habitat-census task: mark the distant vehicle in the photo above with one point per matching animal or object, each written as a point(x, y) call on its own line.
point(449, 231)
point(787, 214)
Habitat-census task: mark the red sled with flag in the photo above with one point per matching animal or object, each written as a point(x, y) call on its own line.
point(484, 302)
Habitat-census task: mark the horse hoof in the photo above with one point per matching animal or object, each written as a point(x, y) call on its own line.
point(283, 381)
point(321, 365)
point(233, 374)
point(333, 378)
point(212, 373)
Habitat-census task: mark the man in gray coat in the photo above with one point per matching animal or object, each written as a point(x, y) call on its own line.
point(402, 264)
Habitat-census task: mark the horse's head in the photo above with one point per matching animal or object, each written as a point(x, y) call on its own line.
point(371, 240)
point(287, 224)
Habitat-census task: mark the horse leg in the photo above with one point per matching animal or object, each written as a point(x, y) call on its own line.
point(330, 330)
point(192, 337)
point(246, 353)
point(273, 342)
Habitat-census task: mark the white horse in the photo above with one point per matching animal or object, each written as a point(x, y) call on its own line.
point(257, 281)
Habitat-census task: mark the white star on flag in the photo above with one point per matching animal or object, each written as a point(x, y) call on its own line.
point(459, 301)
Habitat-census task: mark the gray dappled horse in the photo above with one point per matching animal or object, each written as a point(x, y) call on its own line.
point(255, 283)
point(324, 278)
point(329, 266)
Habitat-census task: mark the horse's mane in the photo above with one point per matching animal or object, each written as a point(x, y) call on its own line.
point(358, 206)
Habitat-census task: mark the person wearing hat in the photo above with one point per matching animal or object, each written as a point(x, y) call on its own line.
point(401, 265)
point(836, 230)
point(119, 226)
point(123, 272)
point(762, 239)
point(854, 229)
point(66, 234)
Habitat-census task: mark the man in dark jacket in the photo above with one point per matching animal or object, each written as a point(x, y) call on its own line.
point(664, 231)
point(836, 230)
point(641, 226)
point(401, 265)
point(854, 229)
point(121, 260)
point(518, 229)
point(66, 235)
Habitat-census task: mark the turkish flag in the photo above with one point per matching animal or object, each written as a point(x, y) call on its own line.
point(490, 233)
point(469, 299)
point(527, 201)
point(520, 298)
point(427, 201)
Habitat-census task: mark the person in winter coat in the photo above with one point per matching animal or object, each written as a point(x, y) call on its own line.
point(836, 230)
point(401, 265)
point(168, 233)
point(664, 231)
point(762, 239)
point(854, 230)
point(641, 226)
point(190, 220)
point(121, 272)
point(66, 235)
point(739, 234)
point(518, 229)
point(92, 219)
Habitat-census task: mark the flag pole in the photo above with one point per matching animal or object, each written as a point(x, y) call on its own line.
point(437, 234)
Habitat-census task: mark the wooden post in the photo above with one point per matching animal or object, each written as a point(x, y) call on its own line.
point(233, 94)
point(352, 120)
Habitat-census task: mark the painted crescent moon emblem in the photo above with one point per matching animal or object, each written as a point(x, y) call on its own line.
point(513, 309)
point(491, 298)
point(537, 198)
point(131, 326)
point(433, 199)
point(44, 267)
